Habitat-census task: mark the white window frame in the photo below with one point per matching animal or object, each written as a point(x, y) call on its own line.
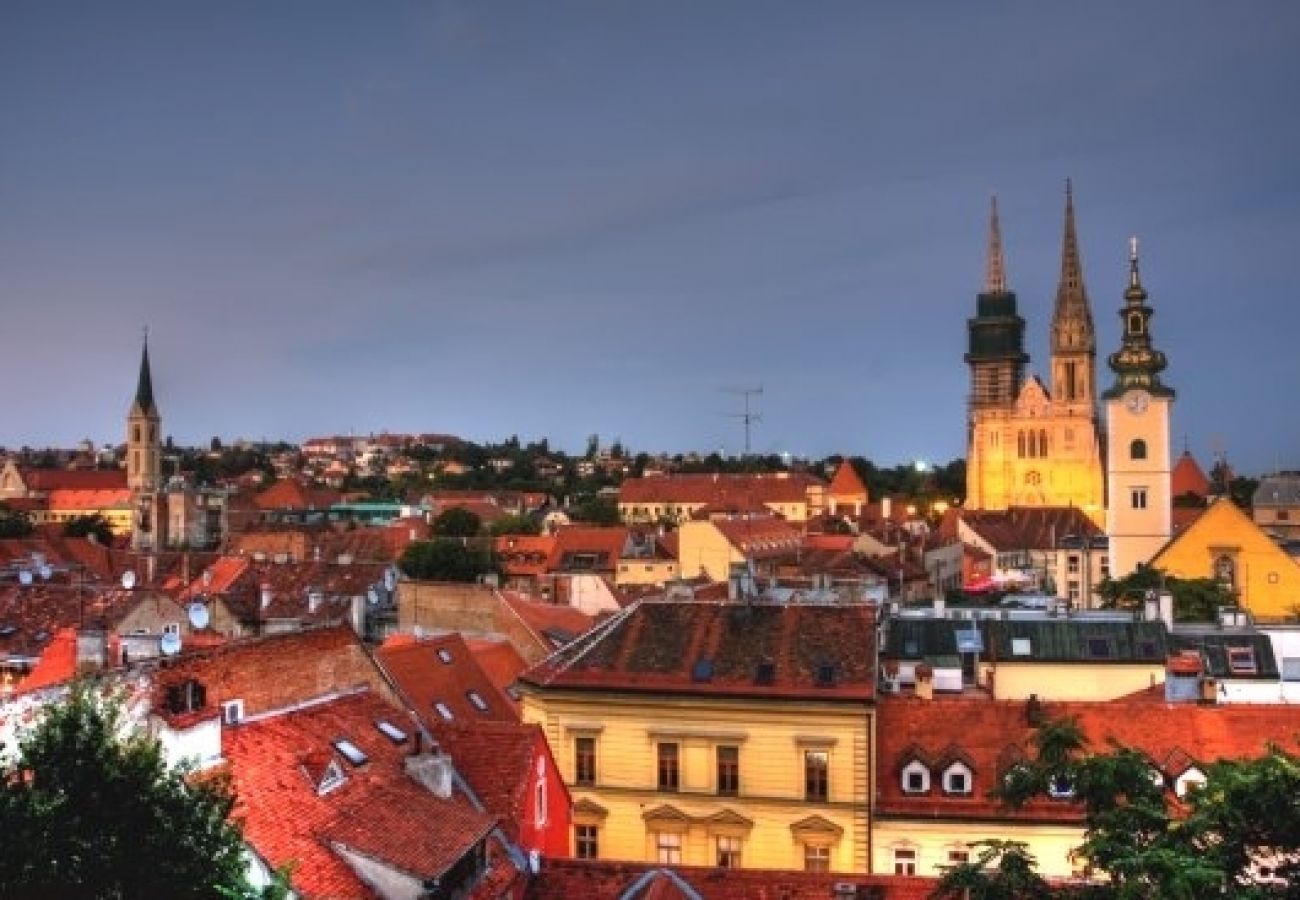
point(959, 768)
point(914, 767)
point(232, 712)
point(1193, 777)
point(905, 860)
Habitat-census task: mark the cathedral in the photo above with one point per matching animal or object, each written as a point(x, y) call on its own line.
point(1032, 444)
point(1037, 445)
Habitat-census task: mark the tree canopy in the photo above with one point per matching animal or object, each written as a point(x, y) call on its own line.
point(446, 559)
point(456, 522)
point(14, 522)
point(87, 812)
point(1238, 835)
point(1195, 599)
point(94, 525)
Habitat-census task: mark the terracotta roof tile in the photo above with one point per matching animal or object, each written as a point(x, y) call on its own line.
point(45, 480)
point(846, 483)
point(442, 670)
point(718, 489)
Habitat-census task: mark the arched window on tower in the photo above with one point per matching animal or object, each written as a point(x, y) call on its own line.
point(135, 434)
point(1020, 444)
point(1137, 449)
point(1135, 323)
point(1042, 442)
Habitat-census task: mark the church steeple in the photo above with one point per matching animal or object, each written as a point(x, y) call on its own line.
point(1137, 364)
point(1074, 341)
point(996, 280)
point(144, 403)
point(996, 335)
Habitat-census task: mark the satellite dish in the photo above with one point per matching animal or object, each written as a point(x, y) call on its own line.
point(198, 614)
point(170, 644)
point(372, 596)
point(25, 576)
point(45, 571)
point(128, 579)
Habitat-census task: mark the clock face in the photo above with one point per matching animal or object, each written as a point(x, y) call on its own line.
point(1136, 401)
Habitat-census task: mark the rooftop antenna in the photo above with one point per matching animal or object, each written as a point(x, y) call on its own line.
point(748, 417)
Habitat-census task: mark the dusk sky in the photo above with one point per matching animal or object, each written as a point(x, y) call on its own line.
point(557, 219)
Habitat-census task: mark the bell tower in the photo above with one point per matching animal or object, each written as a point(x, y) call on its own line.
point(996, 336)
point(1074, 340)
point(1138, 404)
point(144, 457)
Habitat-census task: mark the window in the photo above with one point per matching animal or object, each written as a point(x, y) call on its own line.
point(1241, 660)
point(479, 703)
point(444, 655)
point(669, 771)
point(1291, 668)
point(958, 857)
point(1189, 780)
point(539, 802)
point(232, 712)
point(816, 859)
point(729, 771)
point(1020, 444)
point(668, 847)
point(916, 778)
point(351, 752)
point(1072, 564)
point(1099, 648)
point(1137, 449)
point(1138, 497)
point(584, 760)
point(957, 779)
point(172, 628)
point(904, 861)
point(391, 731)
point(1073, 591)
point(1042, 443)
point(1061, 787)
point(816, 775)
point(1022, 647)
point(1225, 569)
point(586, 841)
point(728, 852)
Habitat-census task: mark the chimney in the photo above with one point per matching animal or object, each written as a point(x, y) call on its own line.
point(925, 682)
point(358, 614)
point(433, 771)
point(1166, 601)
point(940, 607)
point(266, 594)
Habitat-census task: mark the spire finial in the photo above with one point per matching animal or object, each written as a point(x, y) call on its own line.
point(1133, 280)
point(996, 281)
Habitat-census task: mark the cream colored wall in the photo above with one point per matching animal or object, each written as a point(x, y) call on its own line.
point(932, 840)
point(1267, 578)
point(1069, 681)
point(645, 571)
point(772, 737)
point(702, 548)
point(1136, 535)
point(119, 518)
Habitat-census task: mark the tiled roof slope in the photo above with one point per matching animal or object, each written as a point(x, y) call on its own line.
point(1029, 528)
point(496, 758)
point(719, 489)
point(443, 670)
point(277, 671)
point(378, 810)
point(991, 735)
point(655, 645)
point(1187, 477)
point(846, 482)
point(74, 479)
point(569, 879)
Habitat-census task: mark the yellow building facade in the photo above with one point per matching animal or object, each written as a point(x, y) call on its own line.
point(1223, 543)
point(1028, 444)
point(697, 734)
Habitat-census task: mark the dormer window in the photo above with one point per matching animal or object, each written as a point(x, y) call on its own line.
point(957, 779)
point(479, 703)
point(1061, 787)
point(916, 778)
point(1189, 780)
point(1241, 661)
point(444, 655)
point(331, 778)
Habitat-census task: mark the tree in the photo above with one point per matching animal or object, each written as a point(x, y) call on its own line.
point(87, 812)
point(515, 525)
point(1195, 599)
point(92, 526)
point(446, 559)
point(1001, 870)
point(596, 511)
point(456, 522)
point(14, 522)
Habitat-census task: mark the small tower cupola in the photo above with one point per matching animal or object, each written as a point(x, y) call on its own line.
point(1137, 364)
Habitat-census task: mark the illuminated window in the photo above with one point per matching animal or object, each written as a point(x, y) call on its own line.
point(728, 852)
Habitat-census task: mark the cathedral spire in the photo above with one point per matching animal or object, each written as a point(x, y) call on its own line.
point(144, 401)
point(996, 281)
point(1072, 312)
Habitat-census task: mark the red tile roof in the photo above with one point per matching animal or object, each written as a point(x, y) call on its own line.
point(718, 489)
point(846, 483)
point(497, 760)
point(524, 555)
point(378, 811)
point(655, 645)
point(1029, 528)
point(606, 544)
point(443, 670)
point(499, 660)
point(992, 735)
point(542, 618)
point(292, 494)
point(45, 480)
point(761, 537)
point(58, 662)
point(1188, 478)
point(76, 498)
point(570, 879)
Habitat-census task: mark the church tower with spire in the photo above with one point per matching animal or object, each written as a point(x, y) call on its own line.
point(1138, 405)
point(144, 456)
point(1031, 446)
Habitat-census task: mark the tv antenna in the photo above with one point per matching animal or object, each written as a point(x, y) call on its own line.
point(749, 417)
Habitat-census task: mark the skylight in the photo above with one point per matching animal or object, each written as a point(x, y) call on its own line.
point(445, 655)
point(1021, 647)
point(479, 703)
point(1241, 660)
point(443, 710)
point(391, 731)
point(351, 752)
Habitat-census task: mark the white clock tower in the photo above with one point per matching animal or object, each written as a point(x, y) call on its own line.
point(1138, 508)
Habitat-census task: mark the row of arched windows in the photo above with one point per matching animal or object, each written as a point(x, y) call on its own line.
point(1032, 444)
